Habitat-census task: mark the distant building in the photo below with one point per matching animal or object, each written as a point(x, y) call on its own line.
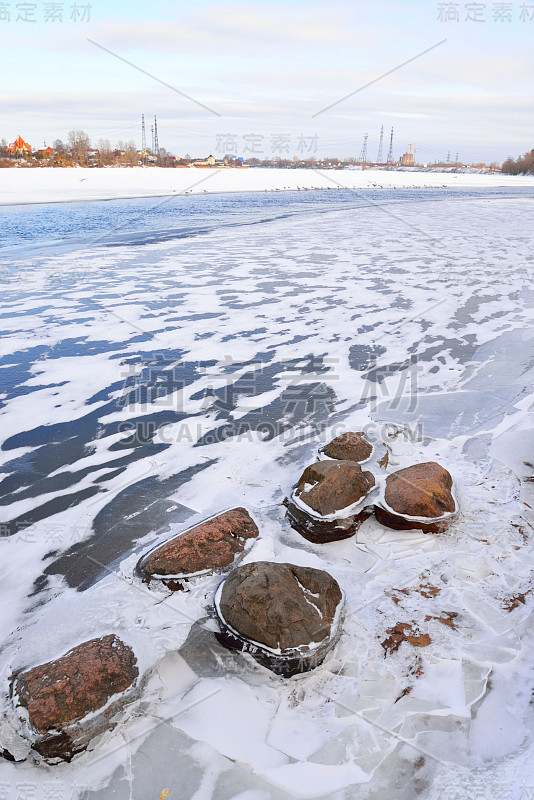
point(407, 160)
point(19, 147)
point(206, 162)
point(231, 160)
point(93, 157)
point(46, 151)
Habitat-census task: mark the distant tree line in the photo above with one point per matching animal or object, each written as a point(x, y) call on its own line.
point(524, 165)
point(77, 150)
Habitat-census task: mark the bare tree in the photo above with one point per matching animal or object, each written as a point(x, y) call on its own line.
point(131, 156)
point(127, 153)
point(106, 153)
point(79, 144)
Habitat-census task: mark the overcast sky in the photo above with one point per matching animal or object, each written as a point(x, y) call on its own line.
point(262, 73)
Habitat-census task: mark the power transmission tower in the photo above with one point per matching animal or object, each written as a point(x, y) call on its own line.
point(143, 133)
point(152, 129)
point(380, 156)
point(363, 154)
point(156, 142)
point(449, 157)
point(457, 162)
point(390, 152)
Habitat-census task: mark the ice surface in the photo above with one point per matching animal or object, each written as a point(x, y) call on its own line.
point(232, 357)
point(63, 185)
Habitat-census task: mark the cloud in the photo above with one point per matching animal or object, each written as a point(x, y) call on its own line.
point(269, 67)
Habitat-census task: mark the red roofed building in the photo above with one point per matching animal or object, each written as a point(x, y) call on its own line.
point(20, 147)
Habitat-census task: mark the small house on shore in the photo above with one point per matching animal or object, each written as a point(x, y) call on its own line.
point(19, 147)
point(207, 162)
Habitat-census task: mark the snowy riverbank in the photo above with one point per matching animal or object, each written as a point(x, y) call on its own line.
point(47, 185)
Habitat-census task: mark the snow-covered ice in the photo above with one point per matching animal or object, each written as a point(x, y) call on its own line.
point(49, 185)
point(147, 385)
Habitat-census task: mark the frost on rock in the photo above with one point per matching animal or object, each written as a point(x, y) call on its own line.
point(286, 616)
point(60, 694)
point(328, 502)
point(209, 547)
point(418, 497)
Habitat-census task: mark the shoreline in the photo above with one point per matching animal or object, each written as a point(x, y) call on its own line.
point(50, 185)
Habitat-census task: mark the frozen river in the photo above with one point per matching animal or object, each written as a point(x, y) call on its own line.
point(162, 359)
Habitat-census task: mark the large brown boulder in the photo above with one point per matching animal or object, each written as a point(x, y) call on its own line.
point(208, 547)
point(422, 490)
point(331, 486)
point(265, 607)
point(350, 446)
point(324, 489)
point(60, 693)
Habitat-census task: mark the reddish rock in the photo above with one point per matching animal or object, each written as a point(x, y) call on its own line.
point(60, 693)
point(422, 490)
point(81, 681)
point(351, 446)
point(281, 607)
point(210, 546)
point(328, 487)
point(331, 486)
